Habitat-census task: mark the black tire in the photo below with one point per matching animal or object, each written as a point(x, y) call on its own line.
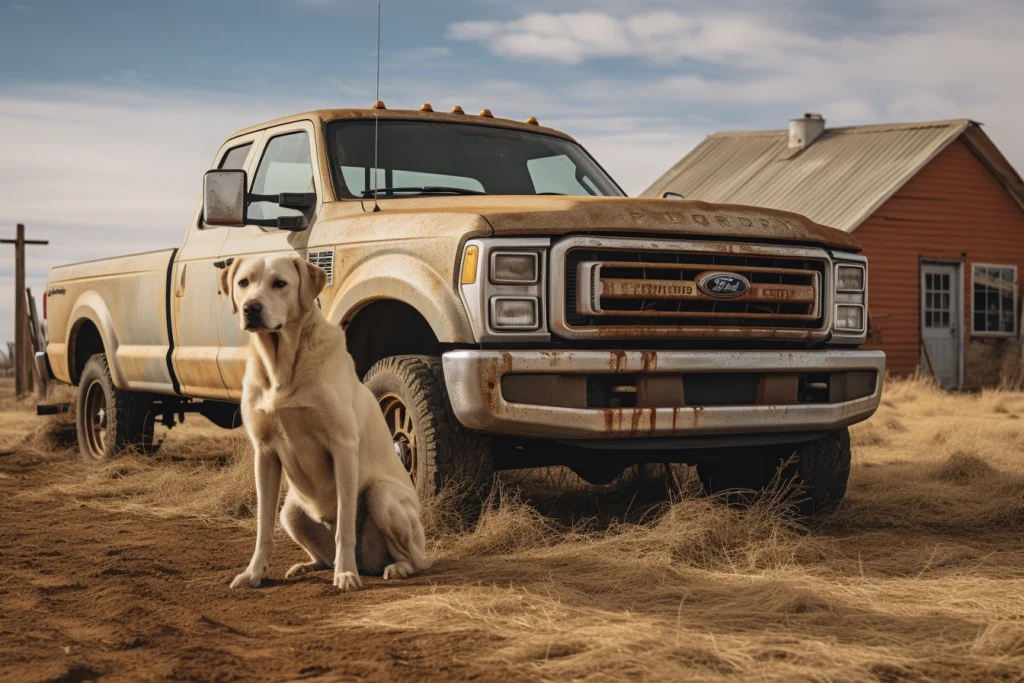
point(445, 455)
point(110, 420)
point(821, 469)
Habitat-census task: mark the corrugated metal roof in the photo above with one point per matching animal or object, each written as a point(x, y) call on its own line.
point(839, 180)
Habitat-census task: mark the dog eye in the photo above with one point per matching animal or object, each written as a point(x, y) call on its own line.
point(278, 284)
point(243, 282)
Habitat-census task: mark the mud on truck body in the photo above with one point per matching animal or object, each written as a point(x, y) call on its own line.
point(504, 299)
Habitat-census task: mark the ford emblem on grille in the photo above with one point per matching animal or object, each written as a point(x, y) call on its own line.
point(724, 285)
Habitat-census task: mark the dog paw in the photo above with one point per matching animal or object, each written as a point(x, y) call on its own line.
point(248, 577)
point(347, 581)
point(305, 568)
point(398, 570)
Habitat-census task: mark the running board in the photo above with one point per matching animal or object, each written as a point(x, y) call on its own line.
point(52, 408)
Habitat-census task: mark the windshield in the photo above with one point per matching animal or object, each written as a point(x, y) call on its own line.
point(426, 157)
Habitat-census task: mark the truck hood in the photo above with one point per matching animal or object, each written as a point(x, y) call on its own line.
point(555, 215)
point(559, 215)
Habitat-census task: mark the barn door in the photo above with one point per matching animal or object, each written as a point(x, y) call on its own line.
point(941, 317)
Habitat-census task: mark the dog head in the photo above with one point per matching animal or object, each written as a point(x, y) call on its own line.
point(271, 292)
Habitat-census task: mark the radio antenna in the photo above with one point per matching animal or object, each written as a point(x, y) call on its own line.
point(376, 113)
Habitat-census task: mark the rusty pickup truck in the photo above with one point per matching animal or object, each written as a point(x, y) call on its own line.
point(506, 301)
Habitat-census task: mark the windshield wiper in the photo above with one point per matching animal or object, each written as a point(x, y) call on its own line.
point(426, 189)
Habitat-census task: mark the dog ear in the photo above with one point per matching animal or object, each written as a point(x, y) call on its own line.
point(312, 280)
point(227, 283)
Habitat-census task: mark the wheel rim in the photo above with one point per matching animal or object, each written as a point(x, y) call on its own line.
point(95, 419)
point(403, 432)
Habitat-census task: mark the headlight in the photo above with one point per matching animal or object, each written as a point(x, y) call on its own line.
point(518, 268)
point(850, 297)
point(849, 279)
point(503, 286)
point(849, 318)
point(514, 314)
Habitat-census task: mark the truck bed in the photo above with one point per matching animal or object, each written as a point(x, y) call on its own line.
point(125, 298)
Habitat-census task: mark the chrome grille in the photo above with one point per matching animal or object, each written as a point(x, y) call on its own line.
point(638, 288)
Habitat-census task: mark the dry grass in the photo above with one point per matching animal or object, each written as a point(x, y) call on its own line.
point(919, 574)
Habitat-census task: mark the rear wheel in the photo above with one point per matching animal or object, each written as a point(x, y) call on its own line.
point(109, 419)
point(436, 450)
point(822, 470)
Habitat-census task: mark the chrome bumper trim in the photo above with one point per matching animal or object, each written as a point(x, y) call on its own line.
point(474, 387)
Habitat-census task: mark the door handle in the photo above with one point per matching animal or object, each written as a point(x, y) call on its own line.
point(180, 289)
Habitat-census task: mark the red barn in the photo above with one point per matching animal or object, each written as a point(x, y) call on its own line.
point(939, 212)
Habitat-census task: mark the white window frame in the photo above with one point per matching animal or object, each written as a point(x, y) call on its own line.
point(985, 333)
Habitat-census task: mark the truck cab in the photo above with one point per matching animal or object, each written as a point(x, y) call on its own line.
point(504, 299)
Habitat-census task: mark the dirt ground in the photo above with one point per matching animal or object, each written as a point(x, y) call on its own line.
point(120, 572)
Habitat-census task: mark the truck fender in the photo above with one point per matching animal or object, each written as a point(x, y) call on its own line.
point(90, 306)
point(405, 279)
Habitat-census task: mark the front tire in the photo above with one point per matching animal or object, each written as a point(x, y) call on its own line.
point(822, 470)
point(438, 452)
point(110, 420)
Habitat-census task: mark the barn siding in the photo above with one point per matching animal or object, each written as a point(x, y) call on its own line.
point(953, 209)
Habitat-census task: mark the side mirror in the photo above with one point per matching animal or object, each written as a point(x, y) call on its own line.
point(224, 198)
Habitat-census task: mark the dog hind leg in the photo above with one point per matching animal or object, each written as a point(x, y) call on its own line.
point(312, 536)
point(396, 515)
point(374, 555)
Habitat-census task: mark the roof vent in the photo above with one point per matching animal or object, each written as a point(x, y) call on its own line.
point(802, 132)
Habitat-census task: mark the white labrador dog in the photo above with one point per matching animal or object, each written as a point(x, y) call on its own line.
point(308, 414)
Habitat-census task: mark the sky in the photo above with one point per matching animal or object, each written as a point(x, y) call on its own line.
point(110, 110)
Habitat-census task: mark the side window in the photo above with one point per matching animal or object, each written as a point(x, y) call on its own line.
point(558, 175)
point(235, 158)
point(285, 167)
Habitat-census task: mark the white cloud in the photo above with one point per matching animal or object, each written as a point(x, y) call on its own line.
point(915, 60)
point(662, 36)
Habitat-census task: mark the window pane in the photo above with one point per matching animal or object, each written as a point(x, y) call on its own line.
point(992, 322)
point(945, 301)
point(1008, 312)
point(928, 281)
point(945, 282)
point(979, 321)
point(945, 318)
point(556, 175)
point(1008, 275)
point(235, 158)
point(285, 167)
point(421, 179)
point(927, 318)
point(928, 300)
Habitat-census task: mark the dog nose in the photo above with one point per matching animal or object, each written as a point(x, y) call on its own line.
point(252, 308)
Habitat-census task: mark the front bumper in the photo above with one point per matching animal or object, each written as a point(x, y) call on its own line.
point(478, 382)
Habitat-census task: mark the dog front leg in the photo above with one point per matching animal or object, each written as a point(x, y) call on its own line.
point(346, 480)
point(268, 492)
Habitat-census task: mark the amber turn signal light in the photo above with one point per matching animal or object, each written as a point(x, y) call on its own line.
point(469, 262)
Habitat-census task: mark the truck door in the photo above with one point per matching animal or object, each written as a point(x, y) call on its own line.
point(194, 297)
point(285, 155)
